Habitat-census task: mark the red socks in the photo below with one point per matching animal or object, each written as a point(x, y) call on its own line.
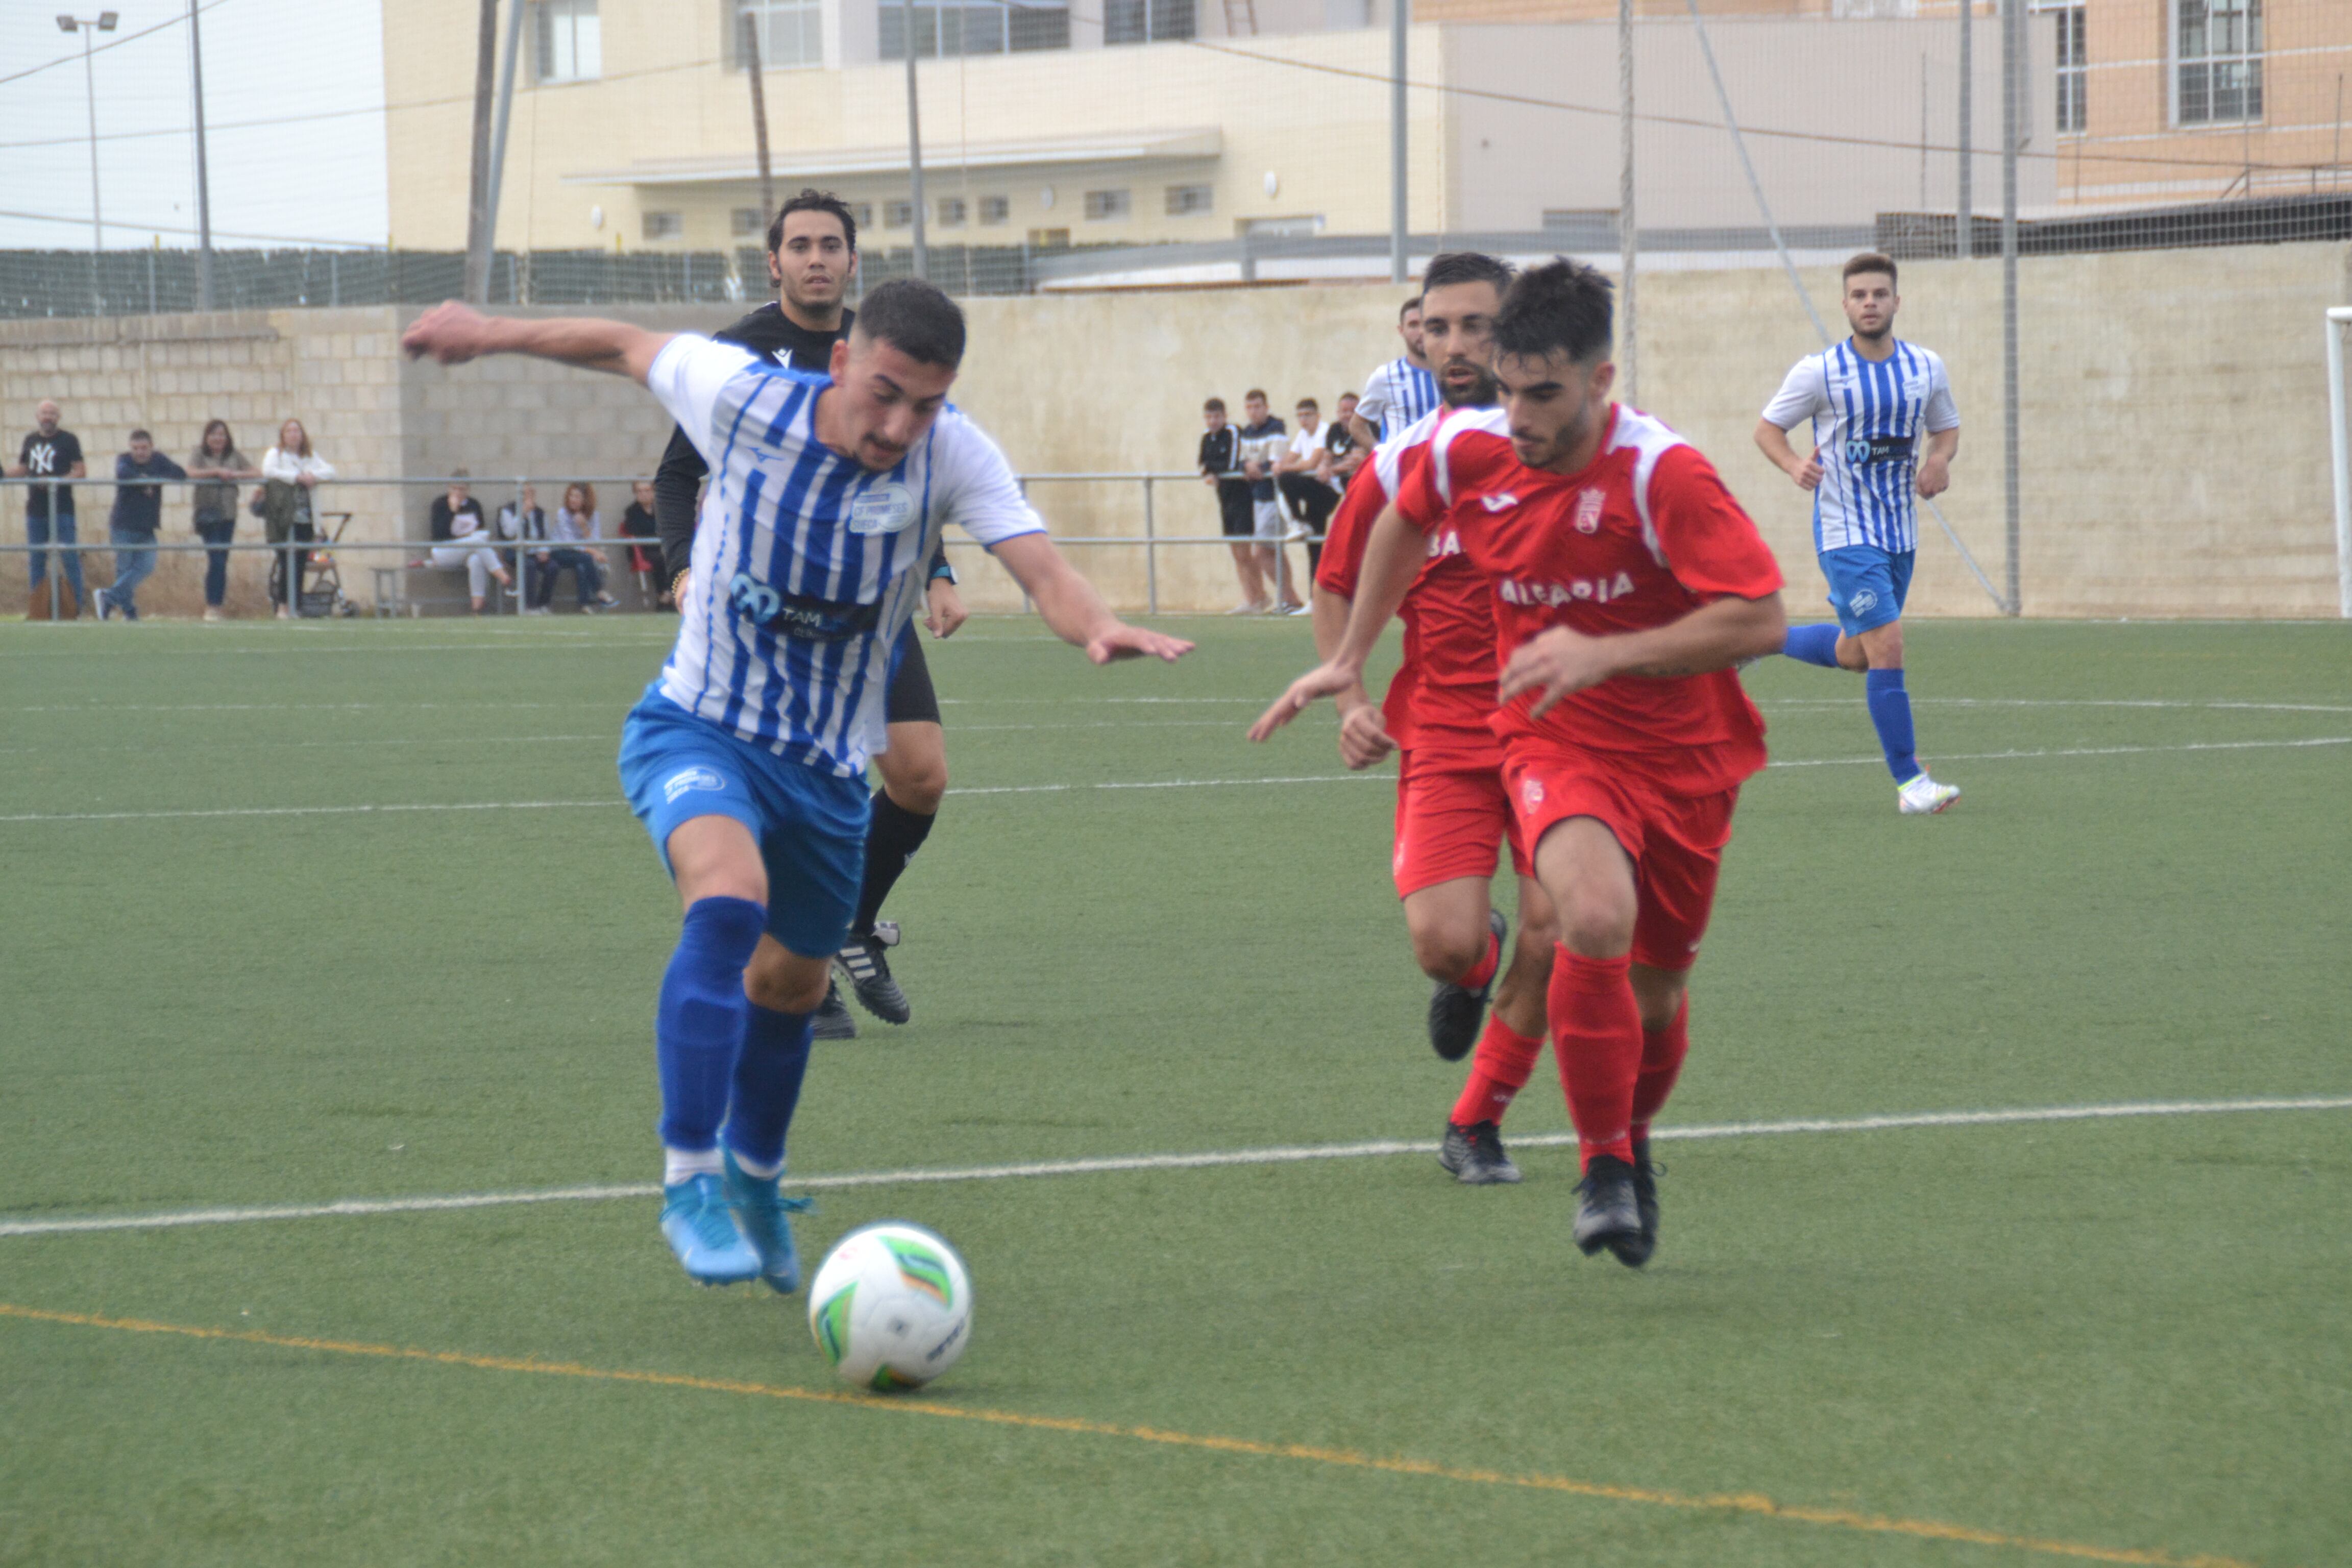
point(1597, 1038)
point(1484, 970)
point(1662, 1059)
point(1505, 1060)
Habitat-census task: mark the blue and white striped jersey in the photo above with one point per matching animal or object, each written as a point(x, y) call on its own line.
point(1868, 417)
point(807, 564)
point(1394, 395)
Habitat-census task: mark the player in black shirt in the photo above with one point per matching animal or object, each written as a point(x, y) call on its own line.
point(812, 256)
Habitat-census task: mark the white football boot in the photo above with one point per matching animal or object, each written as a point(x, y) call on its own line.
point(1923, 797)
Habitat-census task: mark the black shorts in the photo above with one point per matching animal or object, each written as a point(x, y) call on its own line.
point(1233, 501)
point(1310, 501)
point(910, 699)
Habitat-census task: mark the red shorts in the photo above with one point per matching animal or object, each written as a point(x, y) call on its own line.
point(1452, 819)
point(1675, 841)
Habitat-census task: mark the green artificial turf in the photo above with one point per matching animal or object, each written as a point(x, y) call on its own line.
point(2123, 1335)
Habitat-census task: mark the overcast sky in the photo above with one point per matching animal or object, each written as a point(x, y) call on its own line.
point(293, 103)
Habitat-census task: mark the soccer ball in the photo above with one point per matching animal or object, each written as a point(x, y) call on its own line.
point(891, 1307)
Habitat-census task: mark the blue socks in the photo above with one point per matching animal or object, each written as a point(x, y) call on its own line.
point(1890, 710)
point(767, 1085)
point(699, 1023)
point(1814, 645)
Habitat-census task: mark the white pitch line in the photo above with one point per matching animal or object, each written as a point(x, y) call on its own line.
point(1278, 1154)
point(1126, 785)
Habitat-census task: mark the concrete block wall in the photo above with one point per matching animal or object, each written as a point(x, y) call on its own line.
point(2173, 443)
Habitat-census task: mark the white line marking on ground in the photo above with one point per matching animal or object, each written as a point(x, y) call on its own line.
point(2078, 752)
point(963, 792)
point(2161, 702)
point(1278, 1154)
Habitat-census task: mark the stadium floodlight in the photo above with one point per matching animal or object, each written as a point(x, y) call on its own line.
point(2339, 443)
point(104, 22)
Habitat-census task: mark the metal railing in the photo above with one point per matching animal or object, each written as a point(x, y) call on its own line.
point(496, 492)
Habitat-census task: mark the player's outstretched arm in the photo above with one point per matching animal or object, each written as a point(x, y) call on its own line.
point(1714, 637)
point(1069, 604)
point(452, 334)
point(1394, 553)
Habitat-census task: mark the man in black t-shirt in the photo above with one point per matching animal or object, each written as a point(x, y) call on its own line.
point(51, 452)
point(812, 256)
point(1221, 470)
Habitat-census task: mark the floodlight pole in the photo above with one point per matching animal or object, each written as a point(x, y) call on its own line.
point(498, 137)
point(1400, 214)
point(2012, 67)
point(203, 177)
point(478, 201)
point(104, 22)
point(757, 72)
point(1629, 354)
point(1965, 211)
point(2339, 443)
point(915, 148)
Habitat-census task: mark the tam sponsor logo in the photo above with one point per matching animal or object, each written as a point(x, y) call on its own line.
point(1594, 589)
point(690, 779)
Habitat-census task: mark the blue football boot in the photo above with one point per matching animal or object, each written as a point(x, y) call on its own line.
point(699, 1228)
point(765, 1215)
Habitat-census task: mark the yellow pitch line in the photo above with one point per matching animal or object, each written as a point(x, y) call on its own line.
point(1717, 1502)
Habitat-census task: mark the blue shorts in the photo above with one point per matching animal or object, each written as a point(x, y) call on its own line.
point(1867, 585)
point(810, 824)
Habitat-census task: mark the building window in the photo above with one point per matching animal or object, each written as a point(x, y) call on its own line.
point(1105, 204)
point(1187, 201)
point(788, 32)
point(897, 215)
point(2217, 61)
point(746, 221)
point(863, 212)
point(664, 226)
point(570, 46)
point(994, 209)
point(984, 27)
point(2073, 65)
point(1049, 239)
point(1148, 21)
point(952, 212)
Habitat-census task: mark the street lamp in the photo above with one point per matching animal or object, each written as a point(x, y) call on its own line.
point(103, 22)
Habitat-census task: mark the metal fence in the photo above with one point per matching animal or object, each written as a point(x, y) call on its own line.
point(1136, 499)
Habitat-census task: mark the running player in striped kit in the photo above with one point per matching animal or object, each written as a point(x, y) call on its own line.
point(746, 758)
point(1400, 392)
point(1870, 400)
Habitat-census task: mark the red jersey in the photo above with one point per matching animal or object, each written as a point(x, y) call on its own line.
point(1443, 695)
point(1641, 536)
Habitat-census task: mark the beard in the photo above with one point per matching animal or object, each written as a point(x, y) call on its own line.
point(1482, 389)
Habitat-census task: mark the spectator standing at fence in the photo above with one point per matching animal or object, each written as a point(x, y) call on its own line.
point(1304, 477)
point(1221, 470)
point(219, 469)
point(131, 528)
point(524, 520)
point(639, 521)
point(578, 523)
point(1263, 440)
point(457, 520)
point(51, 452)
point(1348, 454)
point(290, 473)
point(1400, 392)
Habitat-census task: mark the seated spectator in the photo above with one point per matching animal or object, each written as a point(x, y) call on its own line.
point(1348, 454)
point(645, 560)
point(523, 520)
point(457, 518)
point(138, 513)
point(577, 523)
point(222, 466)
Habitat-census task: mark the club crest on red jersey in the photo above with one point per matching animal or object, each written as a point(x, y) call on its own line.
point(1588, 502)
